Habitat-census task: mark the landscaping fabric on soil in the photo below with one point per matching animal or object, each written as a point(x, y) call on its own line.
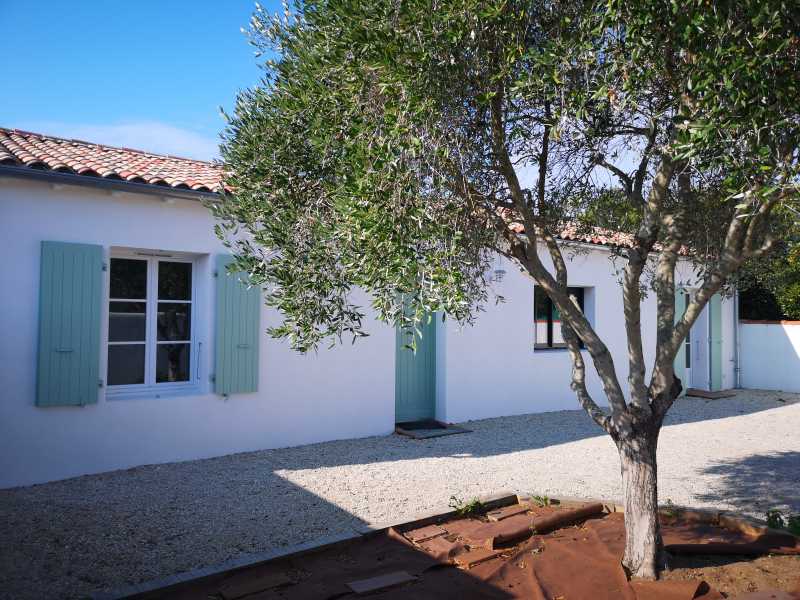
point(540, 553)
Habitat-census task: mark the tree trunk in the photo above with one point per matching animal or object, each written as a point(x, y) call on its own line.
point(644, 554)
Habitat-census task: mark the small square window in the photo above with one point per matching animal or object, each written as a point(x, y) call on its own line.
point(126, 364)
point(547, 318)
point(127, 321)
point(128, 279)
point(174, 322)
point(172, 363)
point(174, 280)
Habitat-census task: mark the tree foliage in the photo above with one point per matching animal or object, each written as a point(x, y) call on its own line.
point(770, 286)
point(397, 146)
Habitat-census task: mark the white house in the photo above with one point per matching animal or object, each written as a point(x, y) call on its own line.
point(125, 343)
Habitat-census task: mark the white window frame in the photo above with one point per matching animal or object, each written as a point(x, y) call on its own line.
point(150, 388)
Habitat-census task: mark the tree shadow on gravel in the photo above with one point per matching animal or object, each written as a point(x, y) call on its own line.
point(505, 435)
point(59, 541)
point(756, 483)
point(72, 537)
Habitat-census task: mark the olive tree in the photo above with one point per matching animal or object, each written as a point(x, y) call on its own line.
point(398, 146)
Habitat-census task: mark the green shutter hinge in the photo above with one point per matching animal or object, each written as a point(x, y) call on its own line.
point(100, 383)
point(105, 266)
point(212, 378)
point(216, 273)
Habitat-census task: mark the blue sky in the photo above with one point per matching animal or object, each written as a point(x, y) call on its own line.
point(143, 74)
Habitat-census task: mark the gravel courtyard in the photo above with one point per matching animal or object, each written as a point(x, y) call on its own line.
point(73, 537)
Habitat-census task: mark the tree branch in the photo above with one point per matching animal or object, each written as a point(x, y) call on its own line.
point(603, 361)
point(644, 242)
point(626, 180)
point(641, 171)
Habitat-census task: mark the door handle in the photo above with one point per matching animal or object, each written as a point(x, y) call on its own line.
point(63, 349)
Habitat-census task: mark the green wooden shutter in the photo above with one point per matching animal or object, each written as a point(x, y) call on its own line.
point(715, 315)
point(70, 298)
point(680, 358)
point(238, 332)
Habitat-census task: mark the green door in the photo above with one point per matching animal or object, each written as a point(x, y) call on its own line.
point(715, 341)
point(415, 375)
point(681, 300)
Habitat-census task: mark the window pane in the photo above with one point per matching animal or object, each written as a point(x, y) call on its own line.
point(172, 362)
point(174, 281)
point(558, 339)
point(174, 321)
point(126, 321)
point(128, 278)
point(126, 364)
point(540, 303)
point(541, 333)
point(578, 293)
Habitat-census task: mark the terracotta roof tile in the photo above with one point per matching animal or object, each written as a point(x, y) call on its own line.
point(596, 235)
point(581, 235)
point(34, 150)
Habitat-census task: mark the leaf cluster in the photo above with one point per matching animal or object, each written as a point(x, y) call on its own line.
point(370, 158)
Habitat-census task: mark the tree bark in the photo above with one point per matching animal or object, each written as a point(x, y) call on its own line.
point(644, 554)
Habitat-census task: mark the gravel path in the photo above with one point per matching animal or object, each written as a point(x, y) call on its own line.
point(69, 538)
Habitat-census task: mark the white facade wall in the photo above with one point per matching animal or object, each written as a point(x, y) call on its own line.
point(341, 393)
point(770, 356)
point(491, 368)
point(486, 370)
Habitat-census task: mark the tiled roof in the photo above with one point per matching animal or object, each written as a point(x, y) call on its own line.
point(48, 153)
point(596, 235)
point(586, 235)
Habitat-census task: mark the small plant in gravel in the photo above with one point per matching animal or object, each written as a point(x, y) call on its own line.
point(541, 501)
point(466, 509)
point(670, 510)
point(777, 520)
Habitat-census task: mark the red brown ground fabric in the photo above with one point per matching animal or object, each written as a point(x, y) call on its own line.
point(476, 558)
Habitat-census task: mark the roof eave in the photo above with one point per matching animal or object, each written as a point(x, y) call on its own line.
point(120, 185)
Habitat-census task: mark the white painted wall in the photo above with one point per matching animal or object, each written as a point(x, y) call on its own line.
point(770, 356)
point(341, 393)
point(492, 366)
point(493, 369)
point(487, 370)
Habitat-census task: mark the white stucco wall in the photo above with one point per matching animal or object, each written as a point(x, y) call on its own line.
point(770, 356)
point(487, 370)
point(340, 393)
point(492, 367)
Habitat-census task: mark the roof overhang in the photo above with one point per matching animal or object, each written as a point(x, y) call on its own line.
point(119, 185)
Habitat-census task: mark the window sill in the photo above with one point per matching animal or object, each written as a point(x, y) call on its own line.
point(551, 349)
point(149, 393)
